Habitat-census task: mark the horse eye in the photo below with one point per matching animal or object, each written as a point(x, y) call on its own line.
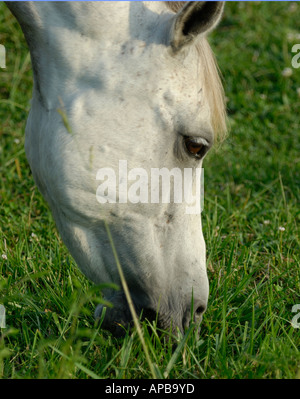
point(194, 148)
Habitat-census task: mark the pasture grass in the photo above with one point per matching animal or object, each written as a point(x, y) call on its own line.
point(250, 223)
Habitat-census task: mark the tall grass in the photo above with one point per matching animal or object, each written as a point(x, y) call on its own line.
point(250, 223)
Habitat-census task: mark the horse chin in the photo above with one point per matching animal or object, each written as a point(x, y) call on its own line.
point(118, 320)
point(115, 318)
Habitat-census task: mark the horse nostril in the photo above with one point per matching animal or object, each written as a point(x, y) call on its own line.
point(200, 309)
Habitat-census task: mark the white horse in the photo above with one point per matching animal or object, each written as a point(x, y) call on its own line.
point(132, 81)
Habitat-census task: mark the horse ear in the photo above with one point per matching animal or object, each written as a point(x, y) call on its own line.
point(195, 18)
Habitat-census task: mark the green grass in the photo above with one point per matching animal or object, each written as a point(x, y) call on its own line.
point(252, 189)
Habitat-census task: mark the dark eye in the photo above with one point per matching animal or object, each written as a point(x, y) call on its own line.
point(194, 147)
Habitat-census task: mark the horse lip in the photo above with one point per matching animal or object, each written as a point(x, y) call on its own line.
point(118, 318)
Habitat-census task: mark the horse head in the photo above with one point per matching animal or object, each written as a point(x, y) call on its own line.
point(123, 93)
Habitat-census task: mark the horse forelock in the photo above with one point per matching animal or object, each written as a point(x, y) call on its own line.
point(213, 86)
point(213, 89)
